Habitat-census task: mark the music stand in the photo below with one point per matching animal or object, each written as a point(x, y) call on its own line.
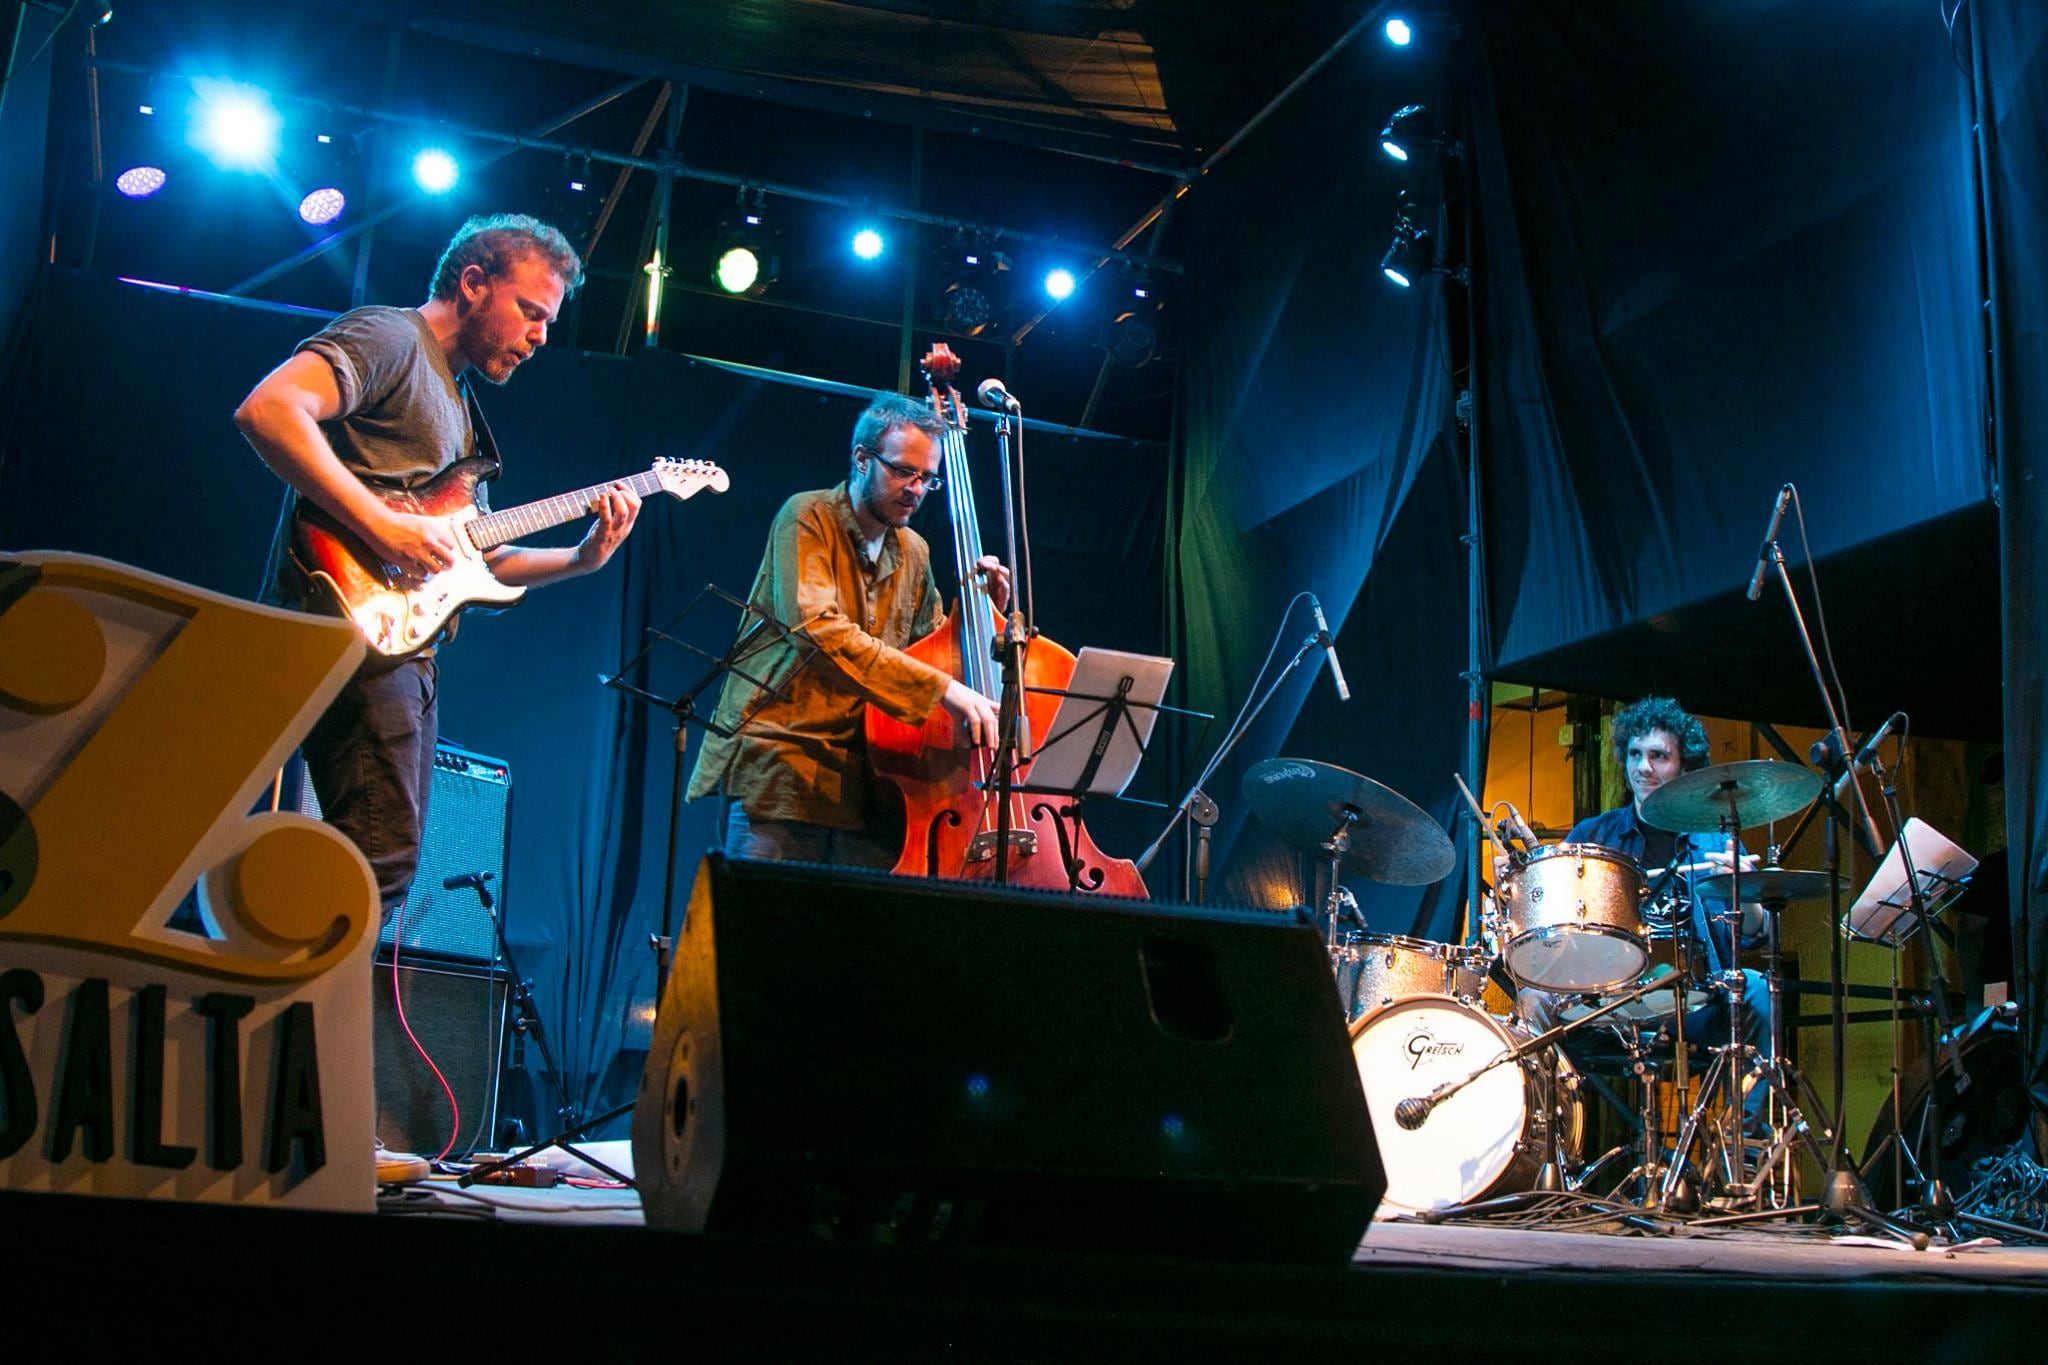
point(759, 632)
point(1098, 735)
point(1887, 911)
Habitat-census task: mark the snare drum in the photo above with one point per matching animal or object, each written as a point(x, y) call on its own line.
point(1572, 919)
point(1490, 1137)
point(1374, 970)
point(1655, 1009)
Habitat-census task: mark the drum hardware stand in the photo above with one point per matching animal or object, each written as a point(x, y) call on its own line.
point(1843, 1195)
point(758, 630)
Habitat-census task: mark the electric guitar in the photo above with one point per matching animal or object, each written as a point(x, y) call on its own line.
point(400, 613)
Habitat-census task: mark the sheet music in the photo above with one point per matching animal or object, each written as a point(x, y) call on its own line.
point(1077, 727)
point(1887, 901)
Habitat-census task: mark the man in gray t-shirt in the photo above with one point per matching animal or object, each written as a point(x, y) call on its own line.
point(374, 401)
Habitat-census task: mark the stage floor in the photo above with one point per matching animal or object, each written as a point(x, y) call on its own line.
point(1775, 1252)
point(574, 1273)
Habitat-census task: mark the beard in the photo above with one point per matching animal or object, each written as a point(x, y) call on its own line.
point(492, 362)
point(883, 505)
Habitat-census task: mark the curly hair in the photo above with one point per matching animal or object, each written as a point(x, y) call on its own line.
point(1640, 718)
point(887, 412)
point(496, 241)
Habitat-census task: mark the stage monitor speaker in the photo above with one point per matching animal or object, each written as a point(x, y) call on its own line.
point(458, 1015)
point(856, 1056)
point(469, 823)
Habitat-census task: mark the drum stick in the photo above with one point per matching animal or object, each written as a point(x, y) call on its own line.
point(1478, 812)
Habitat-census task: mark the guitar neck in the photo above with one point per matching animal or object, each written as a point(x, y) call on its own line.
point(488, 532)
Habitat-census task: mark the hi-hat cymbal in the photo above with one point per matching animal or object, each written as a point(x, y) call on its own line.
point(1765, 886)
point(1392, 839)
point(1759, 791)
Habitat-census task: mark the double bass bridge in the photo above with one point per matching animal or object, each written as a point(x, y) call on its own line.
point(982, 847)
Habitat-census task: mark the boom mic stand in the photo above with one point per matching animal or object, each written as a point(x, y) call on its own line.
point(1843, 1196)
point(1197, 801)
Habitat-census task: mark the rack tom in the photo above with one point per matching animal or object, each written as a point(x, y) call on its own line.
point(1375, 970)
point(1572, 919)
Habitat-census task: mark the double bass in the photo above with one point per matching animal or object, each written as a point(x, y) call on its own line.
point(953, 814)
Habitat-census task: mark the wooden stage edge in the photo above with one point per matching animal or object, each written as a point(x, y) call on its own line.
point(578, 1276)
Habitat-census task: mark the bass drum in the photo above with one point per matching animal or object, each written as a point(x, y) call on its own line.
point(1489, 1138)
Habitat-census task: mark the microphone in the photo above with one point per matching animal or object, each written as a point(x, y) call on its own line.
point(1869, 749)
point(1411, 1112)
point(474, 880)
point(1328, 642)
point(1763, 553)
point(1520, 827)
point(1867, 752)
point(993, 395)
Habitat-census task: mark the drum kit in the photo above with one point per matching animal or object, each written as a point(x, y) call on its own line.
point(1471, 1106)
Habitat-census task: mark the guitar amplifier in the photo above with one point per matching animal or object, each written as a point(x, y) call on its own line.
point(469, 826)
point(458, 1014)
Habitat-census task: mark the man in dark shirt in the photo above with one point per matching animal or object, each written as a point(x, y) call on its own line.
point(376, 400)
point(1655, 741)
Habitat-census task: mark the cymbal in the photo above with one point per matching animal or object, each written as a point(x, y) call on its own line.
point(1763, 791)
point(1765, 886)
point(1393, 840)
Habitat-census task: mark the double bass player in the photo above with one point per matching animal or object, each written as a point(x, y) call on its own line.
point(843, 564)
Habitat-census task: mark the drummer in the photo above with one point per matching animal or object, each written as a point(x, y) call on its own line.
point(1655, 741)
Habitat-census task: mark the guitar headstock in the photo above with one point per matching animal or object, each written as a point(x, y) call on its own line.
point(685, 478)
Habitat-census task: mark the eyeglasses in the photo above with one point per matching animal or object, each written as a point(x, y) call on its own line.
point(910, 473)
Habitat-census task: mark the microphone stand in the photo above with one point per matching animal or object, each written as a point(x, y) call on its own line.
point(1013, 722)
point(1188, 803)
point(1935, 1201)
point(526, 1019)
point(1843, 1194)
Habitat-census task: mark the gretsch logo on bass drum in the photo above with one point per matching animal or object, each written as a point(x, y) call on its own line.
point(1422, 1043)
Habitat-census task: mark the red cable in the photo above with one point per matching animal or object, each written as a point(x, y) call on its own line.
point(398, 1004)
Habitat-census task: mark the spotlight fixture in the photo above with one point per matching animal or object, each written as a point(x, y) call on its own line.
point(237, 126)
point(1407, 256)
point(971, 271)
point(435, 170)
point(322, 206)
point(1399, 32)
point(1059, 283)
point(1410, 128)
point(1134, 337)
point(746, 261)
point(140, 182)
point(868, 244)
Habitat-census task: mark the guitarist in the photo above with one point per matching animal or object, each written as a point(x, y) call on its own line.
point(372, 401)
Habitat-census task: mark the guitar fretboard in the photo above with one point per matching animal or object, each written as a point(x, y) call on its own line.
point(488, 532)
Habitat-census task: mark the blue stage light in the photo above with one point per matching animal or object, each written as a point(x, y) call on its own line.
point(323, 206)
point(236, 125)
point(867, 244)
point(140, 182)
point(1059, 283)
point(435, 171)
point(1398, 32)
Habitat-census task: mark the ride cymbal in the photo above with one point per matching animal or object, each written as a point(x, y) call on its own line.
point(1392, 839)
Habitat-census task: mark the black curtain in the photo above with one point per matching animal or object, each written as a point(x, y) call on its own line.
point(1317, 399)
point(1726, 247)
point(2010, 41)
point(123, 447)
